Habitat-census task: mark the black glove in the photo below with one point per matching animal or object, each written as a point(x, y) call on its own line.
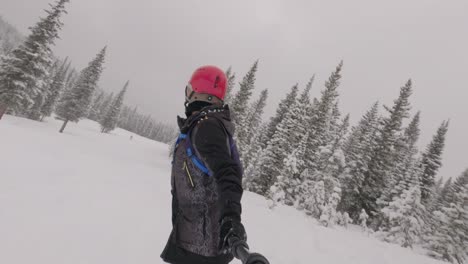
point(231, 227)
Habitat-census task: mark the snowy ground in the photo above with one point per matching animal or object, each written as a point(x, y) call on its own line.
point(83, 197)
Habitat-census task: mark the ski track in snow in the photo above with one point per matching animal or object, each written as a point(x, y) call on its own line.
point(83, 197)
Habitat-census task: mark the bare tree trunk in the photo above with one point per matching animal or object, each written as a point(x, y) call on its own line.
point(63, 126)
point(3, 110)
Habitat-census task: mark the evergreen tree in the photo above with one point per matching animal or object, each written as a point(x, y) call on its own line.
point(321, 114)
point(252, 118)
point(75, 102)
point(320, 117)
point(286, 188)
point(377, 178)
point(55, 89)
point(455, 187)
point(131, 120)
point(330, 216)
point(125, 113)
point(281, 111)
point(363, 218)
point(22, 73)
point(330, 165)
point(331, 157)
point(443, 195)
point(231, 79)
point(96, 105)
point(345, 219)
point(316, 201)
point(109, 122)
point(432, 161)
point(411, 178)
point(405, 171)
point(70, 80)
point(297, 119)
point(438, 186)
point(407, 218)
point(288, 135)
point(34, 111)
point(240, 101)
point(358, 149)
point(251, 158)
point(104, 108)
point(449, 237)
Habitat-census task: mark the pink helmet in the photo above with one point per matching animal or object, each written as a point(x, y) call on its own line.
point(206, 82)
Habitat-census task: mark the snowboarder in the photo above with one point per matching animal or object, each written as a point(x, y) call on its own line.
point(206, 176)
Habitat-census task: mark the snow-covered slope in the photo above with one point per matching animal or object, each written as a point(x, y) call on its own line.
point(83, 197)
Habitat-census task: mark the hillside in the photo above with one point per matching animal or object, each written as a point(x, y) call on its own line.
point(87, 197)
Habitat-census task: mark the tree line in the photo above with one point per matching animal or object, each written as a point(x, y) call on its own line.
point(373, 174)
point(35, 84)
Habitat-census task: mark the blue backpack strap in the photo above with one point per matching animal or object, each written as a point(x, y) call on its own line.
point(191, 155)
point(181, 137)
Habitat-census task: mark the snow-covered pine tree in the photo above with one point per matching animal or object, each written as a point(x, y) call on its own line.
point(109, 122)
point(322, 122)
point(449, 237)
point(331, 157)
point(288, 135)
point(377, 176)
point(253, 151)
point(231, 80)
point(252, 118)
point(281, 111)
point(75, 102)
point(455, 187)
point(431, 205)
point(23, 71)
point(432, 161)
point(252, 156)
point(34, 111)
point(286, 187)
point(320, 118)
point(316, 201)
point(345, 219)
point(411, 177)
point(330, 215)
point(132, 119)
point(363, 218)
point(240, 100)
point(105, 105)
point(55, 89)
point(438, 186)
point(297, 119)
point(443, 194)
point(125, 113)
point(331, 164)
point(70, 80)
point(405, 170)
point(407, 217)
point(98, 100)
point(358, 149)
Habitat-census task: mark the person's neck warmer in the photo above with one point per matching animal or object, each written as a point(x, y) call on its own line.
point(195, 106)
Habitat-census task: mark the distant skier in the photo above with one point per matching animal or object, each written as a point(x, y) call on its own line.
point(206, 176)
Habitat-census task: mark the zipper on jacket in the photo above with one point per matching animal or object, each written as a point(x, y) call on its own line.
point(188, 173)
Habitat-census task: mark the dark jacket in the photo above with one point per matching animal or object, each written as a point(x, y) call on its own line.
point(201, 200)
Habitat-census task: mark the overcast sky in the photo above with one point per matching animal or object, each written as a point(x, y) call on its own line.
point(157, 44)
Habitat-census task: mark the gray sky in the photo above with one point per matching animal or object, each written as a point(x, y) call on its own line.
point(157, 44)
